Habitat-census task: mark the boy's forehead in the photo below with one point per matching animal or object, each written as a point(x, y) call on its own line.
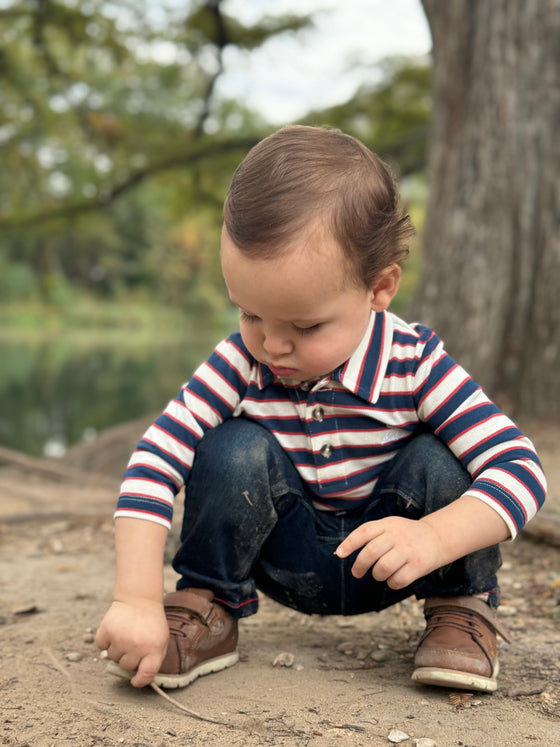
point(294, 285)
point(313, 244)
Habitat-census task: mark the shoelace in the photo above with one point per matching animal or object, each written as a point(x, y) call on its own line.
point(463, 620)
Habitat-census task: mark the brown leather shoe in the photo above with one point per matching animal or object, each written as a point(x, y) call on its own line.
point(202, 639)
point(458, 648)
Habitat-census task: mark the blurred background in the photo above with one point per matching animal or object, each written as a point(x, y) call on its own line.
point(122, 121)
point(121, 125)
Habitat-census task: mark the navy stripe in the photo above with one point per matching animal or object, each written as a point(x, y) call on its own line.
point(393, 383)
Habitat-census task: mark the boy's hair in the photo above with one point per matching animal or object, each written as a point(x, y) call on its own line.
point(303, 175)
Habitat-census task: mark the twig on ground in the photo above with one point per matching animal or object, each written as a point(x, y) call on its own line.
point(349, 727)
point(181, 707)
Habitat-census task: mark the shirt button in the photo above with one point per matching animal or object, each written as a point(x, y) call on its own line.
point(318, 414)
point(326, 450)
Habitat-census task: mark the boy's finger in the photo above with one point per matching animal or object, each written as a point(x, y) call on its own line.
point(102, 640)
point(358, 538)
point(147, 670)
point(377, 551)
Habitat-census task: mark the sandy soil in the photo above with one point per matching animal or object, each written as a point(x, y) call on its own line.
point(348, 683)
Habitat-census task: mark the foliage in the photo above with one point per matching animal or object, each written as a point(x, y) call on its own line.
point(117, 152)
point(390, 114)
point(98, 98)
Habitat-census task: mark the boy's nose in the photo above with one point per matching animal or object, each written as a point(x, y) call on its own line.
point(275, 343)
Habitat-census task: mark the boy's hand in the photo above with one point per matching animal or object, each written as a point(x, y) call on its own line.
point(135, 634)
point(398, 550)
point(403, 550)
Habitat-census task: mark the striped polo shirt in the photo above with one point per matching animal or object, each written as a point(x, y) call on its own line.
point(340, 430)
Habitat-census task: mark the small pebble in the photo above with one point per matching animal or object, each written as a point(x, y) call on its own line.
point(396, 736)
point(88, 638)
point(73, 656)
point(345, 648)
point(380, 656)
point(424, 742)
point(283, 660)
point(57, 547)
point(25, 609)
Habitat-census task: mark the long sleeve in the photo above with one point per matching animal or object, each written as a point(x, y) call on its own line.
point(506, 471)
point(161, 463)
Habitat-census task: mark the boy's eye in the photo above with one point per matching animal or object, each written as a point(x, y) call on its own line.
point(308, 330)
point(248, 317)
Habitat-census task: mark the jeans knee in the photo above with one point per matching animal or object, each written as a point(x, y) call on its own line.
point(236, 447)
point(425, 475)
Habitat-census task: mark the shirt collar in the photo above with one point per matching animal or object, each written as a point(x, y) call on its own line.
point(264, 376)
point(364, 371)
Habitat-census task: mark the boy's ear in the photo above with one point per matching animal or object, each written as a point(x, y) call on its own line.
point(384, 287)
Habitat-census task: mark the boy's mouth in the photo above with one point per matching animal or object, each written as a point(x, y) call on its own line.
point(282, 371)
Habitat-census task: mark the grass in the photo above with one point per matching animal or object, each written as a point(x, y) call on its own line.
point(131, 322)
point(137, 319)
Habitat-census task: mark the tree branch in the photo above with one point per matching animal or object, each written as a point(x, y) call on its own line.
point(222, 40)
point(199, 152)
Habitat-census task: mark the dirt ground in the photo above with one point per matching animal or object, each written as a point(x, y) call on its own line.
point(348, 683)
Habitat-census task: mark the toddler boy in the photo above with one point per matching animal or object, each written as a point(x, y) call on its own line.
point(334, 456)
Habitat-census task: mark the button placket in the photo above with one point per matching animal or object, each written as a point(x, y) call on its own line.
point(316, 416)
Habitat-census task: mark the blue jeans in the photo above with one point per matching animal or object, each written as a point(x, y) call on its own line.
point(249, 523)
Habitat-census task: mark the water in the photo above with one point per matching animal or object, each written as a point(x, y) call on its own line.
point(58, 392)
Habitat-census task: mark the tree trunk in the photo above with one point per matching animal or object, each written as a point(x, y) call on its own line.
point(491, 281)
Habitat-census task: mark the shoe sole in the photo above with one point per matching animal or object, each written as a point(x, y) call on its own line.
point(170, 681)
point(456, 679)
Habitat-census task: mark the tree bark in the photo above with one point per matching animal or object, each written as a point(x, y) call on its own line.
point(491, 280)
